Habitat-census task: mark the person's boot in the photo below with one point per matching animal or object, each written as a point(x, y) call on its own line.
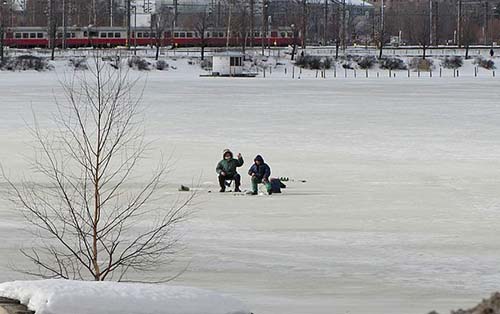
point(237, 188)
point(222, 189)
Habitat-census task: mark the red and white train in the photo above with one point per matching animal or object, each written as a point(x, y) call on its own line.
point(31, 37)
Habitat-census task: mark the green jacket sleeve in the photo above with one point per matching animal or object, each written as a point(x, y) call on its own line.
point(240, 161)
point(219, 168)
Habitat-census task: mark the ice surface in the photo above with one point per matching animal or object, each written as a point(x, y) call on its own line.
point(398, 214)
point(77, 297)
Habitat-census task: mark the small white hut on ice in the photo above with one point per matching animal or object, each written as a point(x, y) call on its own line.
point(227, 64)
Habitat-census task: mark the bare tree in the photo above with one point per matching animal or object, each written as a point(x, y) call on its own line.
point(200, 21)
point(90, 222)
point(161, 21)
point(469, 33)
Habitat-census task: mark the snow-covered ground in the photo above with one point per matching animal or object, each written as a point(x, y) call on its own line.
point(77, 297)
point(398, 214)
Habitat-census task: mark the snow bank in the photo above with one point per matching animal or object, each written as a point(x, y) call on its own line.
point(79, 297)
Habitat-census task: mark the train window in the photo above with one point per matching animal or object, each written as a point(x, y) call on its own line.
point(103, 35)
point(221, 34)
point(139, 35)
point(256, 34)
point(182, 34)
point(26, 35)
point(32, 35)
point(94, 34)
point(146, 35)
point(85, 34)
point(168, 34)
point(289, 34)
point(153, 35)
point(189, 34)
point(274, 34)
point(283, 34)
point(73, 35)
point(18, 35)
point(176, 34)
point(111, 35)
point(118, 35)
point(39, 35)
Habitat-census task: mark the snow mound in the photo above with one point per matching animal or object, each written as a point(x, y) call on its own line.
point(80, 297)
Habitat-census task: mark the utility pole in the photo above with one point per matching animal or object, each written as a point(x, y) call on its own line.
point(128, 25)
point(176, 12)
point(111, 7)
point(459, 24)
point(430, 22)
point(436, 23)
point(485, 27)
point(325, 30)
point(2, 31)
point(304, 23)
point(252, 21)
point(264, 23)
point(64, 24)
point(228, 35)
point(343, 38)
point(382, 30)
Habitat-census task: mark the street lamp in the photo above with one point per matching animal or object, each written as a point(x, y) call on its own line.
point(89, 33)
point(135, 28)
point(265, 5)
point(2, 33)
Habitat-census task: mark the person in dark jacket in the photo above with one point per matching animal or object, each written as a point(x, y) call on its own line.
point(226, 169)
point(260, 173)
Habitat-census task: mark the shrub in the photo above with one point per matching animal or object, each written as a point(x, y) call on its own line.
point(138, 63)
point(26, 62)
point(348, 65)
point(366, 62)
point(483, 63)
point(161, 65)
point(421, 64)
point(454, 62)
point(206, 64)
point(313, 62)
point(78, 63)
point(393, 64)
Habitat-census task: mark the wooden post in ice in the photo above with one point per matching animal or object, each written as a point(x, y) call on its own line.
point(335, 71)
point(264, 72)
point(354, 73)
point(493, 73)
point(430, 72)
point(390, 73)
point(316, 73)
point(366, 71)
point(440, 72)
point(293, 71)
point(345, 72)
point(408, 72)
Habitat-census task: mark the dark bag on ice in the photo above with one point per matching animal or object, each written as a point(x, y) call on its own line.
point(275, 185)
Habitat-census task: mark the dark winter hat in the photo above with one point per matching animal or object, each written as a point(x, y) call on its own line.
point(227, 151)
point(259, 158)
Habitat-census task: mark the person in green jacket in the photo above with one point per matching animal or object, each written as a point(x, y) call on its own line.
point(226, 169)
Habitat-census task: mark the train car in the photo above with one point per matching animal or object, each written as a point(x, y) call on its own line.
point(31, 37)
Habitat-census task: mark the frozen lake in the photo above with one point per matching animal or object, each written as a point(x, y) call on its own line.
point(398, 214)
